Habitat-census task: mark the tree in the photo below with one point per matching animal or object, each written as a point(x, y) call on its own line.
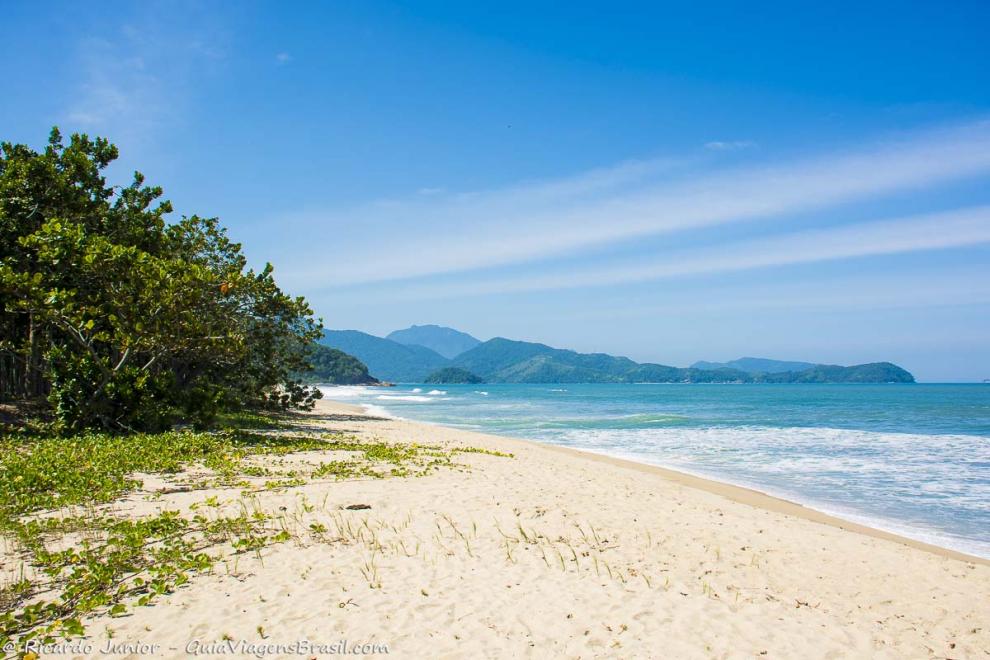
point(125, 321)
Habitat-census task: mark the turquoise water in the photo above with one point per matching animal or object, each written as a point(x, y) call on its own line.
point(911, 459)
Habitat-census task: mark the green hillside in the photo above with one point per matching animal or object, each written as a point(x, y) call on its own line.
point(387, 360)
point(492, 356)
point(336, 368)
point(506, 361)
point(450, 375)
point(875, 372)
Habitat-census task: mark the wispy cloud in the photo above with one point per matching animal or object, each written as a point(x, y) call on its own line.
point(283, 58)
point(936, 231)
point(135, 77)
point(117, 89)
point(452, 233)
point(951, 286)
point(734, 145)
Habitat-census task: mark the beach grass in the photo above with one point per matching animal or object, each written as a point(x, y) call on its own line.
point(78, 556)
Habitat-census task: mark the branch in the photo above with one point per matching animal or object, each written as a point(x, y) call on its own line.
point(123, 359)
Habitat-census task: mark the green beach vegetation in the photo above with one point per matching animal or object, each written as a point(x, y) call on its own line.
point(141, 359)
point(123, 321)
point(66, 516)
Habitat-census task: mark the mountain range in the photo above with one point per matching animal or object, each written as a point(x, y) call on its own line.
point(386, 359)
point(501, 360)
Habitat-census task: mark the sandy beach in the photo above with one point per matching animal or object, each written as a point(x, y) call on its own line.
point(555, 553)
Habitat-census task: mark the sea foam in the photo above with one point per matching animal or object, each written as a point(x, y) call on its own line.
point(911, 459)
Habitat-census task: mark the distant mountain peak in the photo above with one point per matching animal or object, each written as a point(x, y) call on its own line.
point(448, 342)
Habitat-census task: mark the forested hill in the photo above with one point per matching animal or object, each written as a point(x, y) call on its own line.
point(386, 359)
point(874, 372)
point(336, 368)
point(450, 375)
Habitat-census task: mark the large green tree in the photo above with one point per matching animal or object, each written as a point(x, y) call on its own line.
point(123, 320)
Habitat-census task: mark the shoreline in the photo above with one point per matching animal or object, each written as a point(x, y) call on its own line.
point(740, 494)
point(450, 543)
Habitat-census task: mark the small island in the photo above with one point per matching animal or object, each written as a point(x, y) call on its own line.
point(453, 375)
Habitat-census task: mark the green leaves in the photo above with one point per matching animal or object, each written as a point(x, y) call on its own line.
point(133, 323)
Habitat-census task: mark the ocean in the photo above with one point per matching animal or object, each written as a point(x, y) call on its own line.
point(909, 459)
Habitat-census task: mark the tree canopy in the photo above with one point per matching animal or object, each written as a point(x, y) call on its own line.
point(123, 320)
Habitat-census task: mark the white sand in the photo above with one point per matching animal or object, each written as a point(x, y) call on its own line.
point(553, 553)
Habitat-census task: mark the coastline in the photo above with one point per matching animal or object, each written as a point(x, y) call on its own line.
point(741, 494)
point(905, 460)
point(759, 499)
point(511, 548)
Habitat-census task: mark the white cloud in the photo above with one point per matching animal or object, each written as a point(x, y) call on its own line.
point(936, 231)
point(283, 58)
point(116, 90)
point(735, 145)
point(451, 233)
point(953, 286)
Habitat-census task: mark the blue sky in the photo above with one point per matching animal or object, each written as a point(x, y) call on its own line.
point(666, 182)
